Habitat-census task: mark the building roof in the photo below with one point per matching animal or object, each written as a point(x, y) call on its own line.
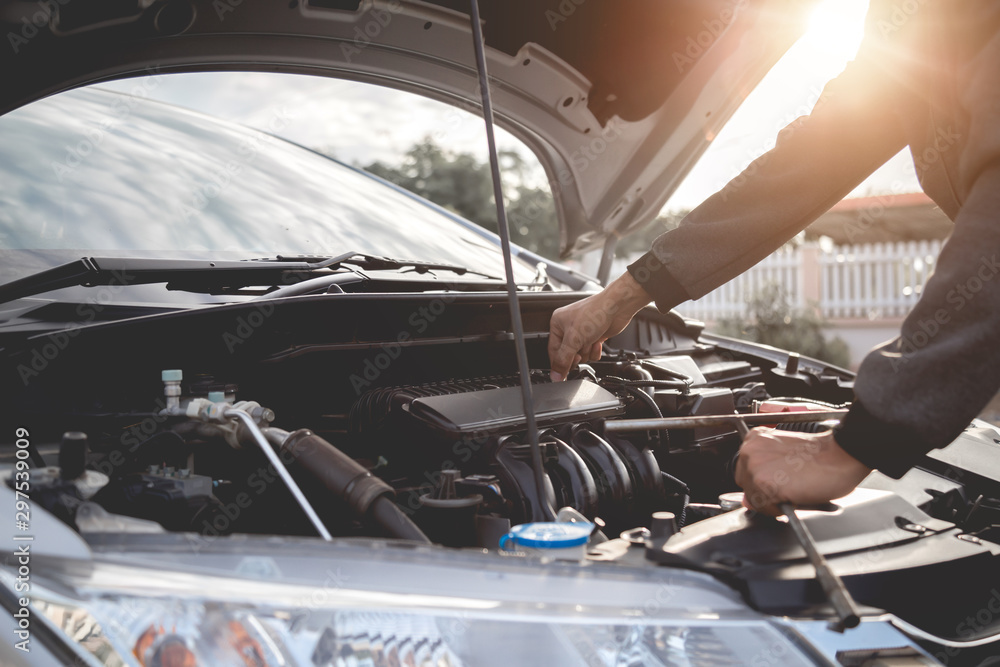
point(911, 216)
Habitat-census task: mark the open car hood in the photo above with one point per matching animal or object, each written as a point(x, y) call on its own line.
point(617, 99)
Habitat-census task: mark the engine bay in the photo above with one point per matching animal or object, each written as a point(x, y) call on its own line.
point(450, 451)
point(407, 423)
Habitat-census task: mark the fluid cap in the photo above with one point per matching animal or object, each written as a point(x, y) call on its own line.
point(731, 501)
point(549, 535)
point(445, 494)
point(663, 525)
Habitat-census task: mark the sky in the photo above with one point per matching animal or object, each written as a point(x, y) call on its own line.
point(788, 91)
point(361, 123)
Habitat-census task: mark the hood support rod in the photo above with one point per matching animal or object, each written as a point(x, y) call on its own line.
point(607, 259)
point(545, 512)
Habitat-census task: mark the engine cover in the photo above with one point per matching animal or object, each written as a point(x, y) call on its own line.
point(501, 409)
point(478, 428)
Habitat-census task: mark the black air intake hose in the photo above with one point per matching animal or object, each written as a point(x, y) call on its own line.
point(366, 494)
point(387, 514)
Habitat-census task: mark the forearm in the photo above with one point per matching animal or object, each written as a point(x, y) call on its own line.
point(814, 165)
point(624, 297)
point(817, 160)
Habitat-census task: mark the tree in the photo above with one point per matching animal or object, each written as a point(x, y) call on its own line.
point(770, 319)
point(463, 184)
point(642, 240)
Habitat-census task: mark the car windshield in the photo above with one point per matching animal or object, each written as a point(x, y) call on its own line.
point(97, 172)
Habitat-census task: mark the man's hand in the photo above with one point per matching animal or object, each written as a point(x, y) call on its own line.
point(577, 331)
point(800, 468)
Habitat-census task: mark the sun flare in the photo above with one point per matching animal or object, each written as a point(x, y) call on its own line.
point(836, 27)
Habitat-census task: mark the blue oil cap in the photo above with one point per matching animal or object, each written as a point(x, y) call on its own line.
point(549, 535)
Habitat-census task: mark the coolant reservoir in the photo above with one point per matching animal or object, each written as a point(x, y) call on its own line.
point(549, 540)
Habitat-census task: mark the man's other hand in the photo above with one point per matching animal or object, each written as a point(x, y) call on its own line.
point(577, 331)
point(800, 468)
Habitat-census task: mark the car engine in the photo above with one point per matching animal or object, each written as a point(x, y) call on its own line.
point(434, 425)
point(399, 417)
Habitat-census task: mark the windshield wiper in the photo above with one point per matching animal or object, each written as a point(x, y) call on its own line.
point(92, 271)
point(376, 263)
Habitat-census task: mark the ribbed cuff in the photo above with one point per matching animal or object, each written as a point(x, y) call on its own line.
point(654, 277)
point(888, 448)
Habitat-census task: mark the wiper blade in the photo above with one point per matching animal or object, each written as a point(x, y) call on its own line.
point(376, 263)
point(92, 271)
point(183, 273)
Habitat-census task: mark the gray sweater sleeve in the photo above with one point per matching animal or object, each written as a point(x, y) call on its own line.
point(919, 391)
point(817, 160)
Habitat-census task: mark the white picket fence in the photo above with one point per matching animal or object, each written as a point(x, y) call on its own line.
point(879, 280)
point(876, 280)
point(730, 300)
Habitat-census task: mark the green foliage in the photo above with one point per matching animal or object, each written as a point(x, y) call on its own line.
point(770, 319)
point(463, 184)
point(642, 240)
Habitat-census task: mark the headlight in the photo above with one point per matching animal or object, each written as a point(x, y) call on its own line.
point(192, 621)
